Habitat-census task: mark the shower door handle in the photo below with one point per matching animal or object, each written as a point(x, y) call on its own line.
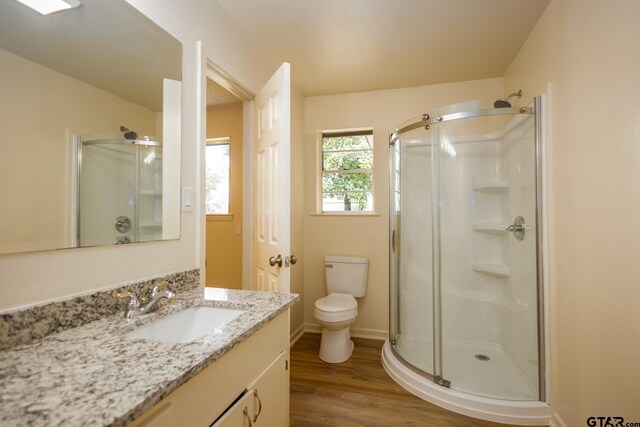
point(393, 241)
point(518, 228)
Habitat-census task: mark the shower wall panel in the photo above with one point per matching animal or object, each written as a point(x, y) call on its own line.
point(471, 306)
point(466, 312)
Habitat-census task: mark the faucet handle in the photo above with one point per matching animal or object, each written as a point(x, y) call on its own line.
point(121, 295)
point(162, 286)
point(133, 301)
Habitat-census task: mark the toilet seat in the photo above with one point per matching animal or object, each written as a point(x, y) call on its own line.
point(336, 308)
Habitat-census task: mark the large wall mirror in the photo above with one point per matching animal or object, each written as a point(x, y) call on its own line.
point(90, 112)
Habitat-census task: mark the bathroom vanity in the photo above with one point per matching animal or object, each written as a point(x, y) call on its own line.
point(250, 382)
point(99, 374)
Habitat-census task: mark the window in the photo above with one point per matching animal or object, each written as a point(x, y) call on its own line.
point(347, 171)
point(217, 176)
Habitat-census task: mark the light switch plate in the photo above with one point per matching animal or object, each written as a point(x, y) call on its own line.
point(187, 199)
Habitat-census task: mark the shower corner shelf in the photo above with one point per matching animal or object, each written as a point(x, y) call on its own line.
point(491, 269)
point(494, 186)
point(490, 227)
point(154, 193)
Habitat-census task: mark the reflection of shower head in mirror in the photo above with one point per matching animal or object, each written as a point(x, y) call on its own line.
point(128, 134)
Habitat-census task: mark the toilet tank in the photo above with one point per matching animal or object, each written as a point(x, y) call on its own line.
point(346, 274)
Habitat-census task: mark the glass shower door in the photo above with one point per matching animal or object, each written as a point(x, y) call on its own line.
point(485, 184)
point(411, 327)
point(107, 191)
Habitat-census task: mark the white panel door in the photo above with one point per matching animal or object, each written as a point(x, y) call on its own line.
point(271, 185)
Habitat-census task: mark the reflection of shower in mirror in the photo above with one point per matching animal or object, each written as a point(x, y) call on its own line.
point(128, 134)
point(119, 176)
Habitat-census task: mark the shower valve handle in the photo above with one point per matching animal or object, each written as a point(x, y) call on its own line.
point(518, 228)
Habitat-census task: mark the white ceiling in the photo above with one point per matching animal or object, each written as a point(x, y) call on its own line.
point(338, 46)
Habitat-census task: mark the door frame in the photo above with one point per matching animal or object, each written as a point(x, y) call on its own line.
point(229, 82)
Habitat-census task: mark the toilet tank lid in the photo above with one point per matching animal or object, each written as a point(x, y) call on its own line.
point(346, 259)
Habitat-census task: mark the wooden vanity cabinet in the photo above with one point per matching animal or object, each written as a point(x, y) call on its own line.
point(253, 377)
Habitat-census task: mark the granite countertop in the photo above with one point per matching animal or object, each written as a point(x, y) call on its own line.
point(94, 375)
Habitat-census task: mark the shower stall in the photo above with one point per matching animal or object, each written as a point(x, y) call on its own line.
point(466, 261)
point(119, 197)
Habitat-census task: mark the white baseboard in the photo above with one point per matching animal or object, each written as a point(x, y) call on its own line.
point(296, 335)
point(312, 328)
point(556, 421)
point(373, 334)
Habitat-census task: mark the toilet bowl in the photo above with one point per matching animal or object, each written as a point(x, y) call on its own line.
point(346, 278)
point(336, 313)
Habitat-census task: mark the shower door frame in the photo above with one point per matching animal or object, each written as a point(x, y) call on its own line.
point(425, 121)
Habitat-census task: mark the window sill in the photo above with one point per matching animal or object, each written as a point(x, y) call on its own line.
point(219, 217)
point(363, 214)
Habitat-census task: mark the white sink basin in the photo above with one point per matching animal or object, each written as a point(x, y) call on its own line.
point(186, 325)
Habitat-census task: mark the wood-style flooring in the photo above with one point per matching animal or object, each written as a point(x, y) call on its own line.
point(358, 392)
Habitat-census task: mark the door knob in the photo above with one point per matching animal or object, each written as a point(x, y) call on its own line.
point(273, 261)
point(293, 259)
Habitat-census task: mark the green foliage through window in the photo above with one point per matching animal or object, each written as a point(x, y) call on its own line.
point(347, 172)
point(217, 178)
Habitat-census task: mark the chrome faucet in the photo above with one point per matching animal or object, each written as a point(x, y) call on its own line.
point(145, 305)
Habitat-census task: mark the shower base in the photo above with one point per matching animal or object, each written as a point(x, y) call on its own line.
point(498, 377)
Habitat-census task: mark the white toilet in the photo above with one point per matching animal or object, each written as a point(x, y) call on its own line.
point(346, 278)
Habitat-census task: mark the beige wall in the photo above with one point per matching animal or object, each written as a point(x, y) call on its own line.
point(365, 235)
point(42, 110)
point(224, 246)
point(297, 207)
point(37, 277)
point(587, 52)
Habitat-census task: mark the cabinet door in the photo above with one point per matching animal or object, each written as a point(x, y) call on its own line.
point(270, 393)
point(239, 415)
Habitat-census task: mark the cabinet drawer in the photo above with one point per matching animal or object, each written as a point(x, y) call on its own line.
point(202, 399)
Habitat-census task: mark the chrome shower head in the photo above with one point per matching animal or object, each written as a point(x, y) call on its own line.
point(128, 134)
point(504, 102)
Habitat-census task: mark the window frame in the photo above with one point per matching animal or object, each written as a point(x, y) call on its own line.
point(365, 131)
point(225, 140)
